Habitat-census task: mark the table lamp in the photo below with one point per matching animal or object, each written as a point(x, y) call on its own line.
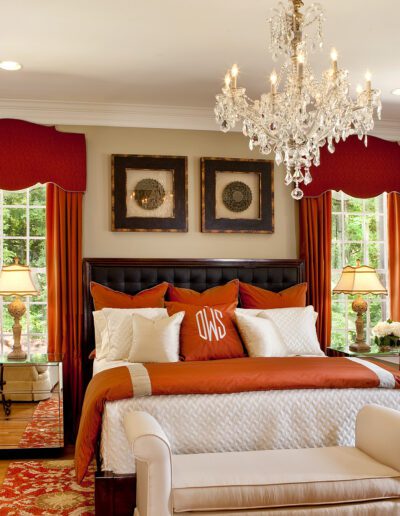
point(16, 280)
point(360, 279)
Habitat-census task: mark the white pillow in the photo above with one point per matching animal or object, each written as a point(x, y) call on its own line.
point(100, 334)
point(155, 340)
point(254, 312)
point(297, 329)
point(118, 336)
point(260, 336)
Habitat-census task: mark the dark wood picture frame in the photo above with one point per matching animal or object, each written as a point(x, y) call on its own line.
point(210, 223)
point(120, 163)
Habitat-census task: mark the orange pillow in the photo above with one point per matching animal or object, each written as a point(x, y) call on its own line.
point(104, 297)
point(223, 295)
point(256, 297)
point(207, 333)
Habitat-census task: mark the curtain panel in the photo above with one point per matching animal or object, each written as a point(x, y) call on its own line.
point(357, 170)
point(315, 219)
point(65, 301)
point(32, 153)
point(393, 206)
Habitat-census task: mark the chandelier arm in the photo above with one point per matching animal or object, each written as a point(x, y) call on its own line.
point(257, 125)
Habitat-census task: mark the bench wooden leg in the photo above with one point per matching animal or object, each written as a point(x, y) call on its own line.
point(115, 495)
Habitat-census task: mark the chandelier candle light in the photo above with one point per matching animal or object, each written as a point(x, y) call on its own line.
point(299, 114)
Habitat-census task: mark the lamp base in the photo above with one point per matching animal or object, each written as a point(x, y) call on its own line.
point(360, 347)
point(360, 306)
point(17, 310)
point(17, 354)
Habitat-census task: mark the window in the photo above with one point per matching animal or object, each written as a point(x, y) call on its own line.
point(359, 231)
point(23, 234)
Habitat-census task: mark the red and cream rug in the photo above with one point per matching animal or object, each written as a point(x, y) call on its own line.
point(46, 488)
point(45, 428)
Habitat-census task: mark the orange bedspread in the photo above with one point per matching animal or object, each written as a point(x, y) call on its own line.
point(216, 377)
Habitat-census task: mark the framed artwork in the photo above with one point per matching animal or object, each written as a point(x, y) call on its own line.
point(237, 196)
point(149, 193)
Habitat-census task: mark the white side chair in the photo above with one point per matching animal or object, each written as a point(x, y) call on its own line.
point(360, 480)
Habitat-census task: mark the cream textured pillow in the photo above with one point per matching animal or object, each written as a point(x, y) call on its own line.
point(117, 340)
point(156, 340)
point(260, 336)
point(254, 312)
point(297, 329)
point(100, 334)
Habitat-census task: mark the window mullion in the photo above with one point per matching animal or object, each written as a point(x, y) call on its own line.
point(28, 261)
point(27, 238)
point(1, 264)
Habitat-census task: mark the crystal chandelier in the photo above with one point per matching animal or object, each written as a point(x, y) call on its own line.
point(299, 114)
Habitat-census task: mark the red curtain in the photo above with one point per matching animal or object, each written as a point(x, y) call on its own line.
point(315, 219)
point(32, 153)
point(65, 302)
point(394, 254)
point(357, 170)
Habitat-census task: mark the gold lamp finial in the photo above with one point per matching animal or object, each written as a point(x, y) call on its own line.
point(298, 4)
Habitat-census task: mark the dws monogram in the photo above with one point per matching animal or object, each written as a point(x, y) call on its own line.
point(210, 325)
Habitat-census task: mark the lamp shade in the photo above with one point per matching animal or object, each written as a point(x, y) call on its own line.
point(16, 280)
point(359, 280)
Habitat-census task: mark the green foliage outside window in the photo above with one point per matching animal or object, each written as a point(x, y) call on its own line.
point(358, 233)
point(22, 234)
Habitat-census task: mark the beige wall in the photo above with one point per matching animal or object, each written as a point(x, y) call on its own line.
point(99, 241)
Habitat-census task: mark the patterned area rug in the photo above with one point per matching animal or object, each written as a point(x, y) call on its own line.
point(46, 488)
point(44, 430)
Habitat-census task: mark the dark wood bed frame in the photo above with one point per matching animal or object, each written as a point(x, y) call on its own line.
point(115, 494)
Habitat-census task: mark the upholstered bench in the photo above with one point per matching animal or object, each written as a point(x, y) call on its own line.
point(324, 481)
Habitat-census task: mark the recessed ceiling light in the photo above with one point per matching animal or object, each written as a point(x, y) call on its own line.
point(396, 91)
point(11, 66)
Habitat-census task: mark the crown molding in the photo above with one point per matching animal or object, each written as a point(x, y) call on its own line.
point(109, 114)
point(135, 115)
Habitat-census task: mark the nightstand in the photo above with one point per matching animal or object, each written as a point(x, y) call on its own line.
point(31, 410)
point(374, 353)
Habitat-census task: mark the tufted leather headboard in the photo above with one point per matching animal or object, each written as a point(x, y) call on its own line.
point(133, 275)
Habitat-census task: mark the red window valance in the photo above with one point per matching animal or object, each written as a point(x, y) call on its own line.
point(357, 170)
point(32, 153)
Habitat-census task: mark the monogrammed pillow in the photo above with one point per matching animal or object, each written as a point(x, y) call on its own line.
point(207, 332)
point(155, 340)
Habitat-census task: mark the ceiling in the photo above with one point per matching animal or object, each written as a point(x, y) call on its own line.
point(175, 52)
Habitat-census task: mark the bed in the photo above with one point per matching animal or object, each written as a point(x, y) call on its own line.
point(213, 422)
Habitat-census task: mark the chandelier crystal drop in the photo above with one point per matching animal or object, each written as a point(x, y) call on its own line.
point(299, 114)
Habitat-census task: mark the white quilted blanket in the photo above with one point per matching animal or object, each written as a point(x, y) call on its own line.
point(243, 421)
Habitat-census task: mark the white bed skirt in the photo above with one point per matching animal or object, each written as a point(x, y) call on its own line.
point(242, 421)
